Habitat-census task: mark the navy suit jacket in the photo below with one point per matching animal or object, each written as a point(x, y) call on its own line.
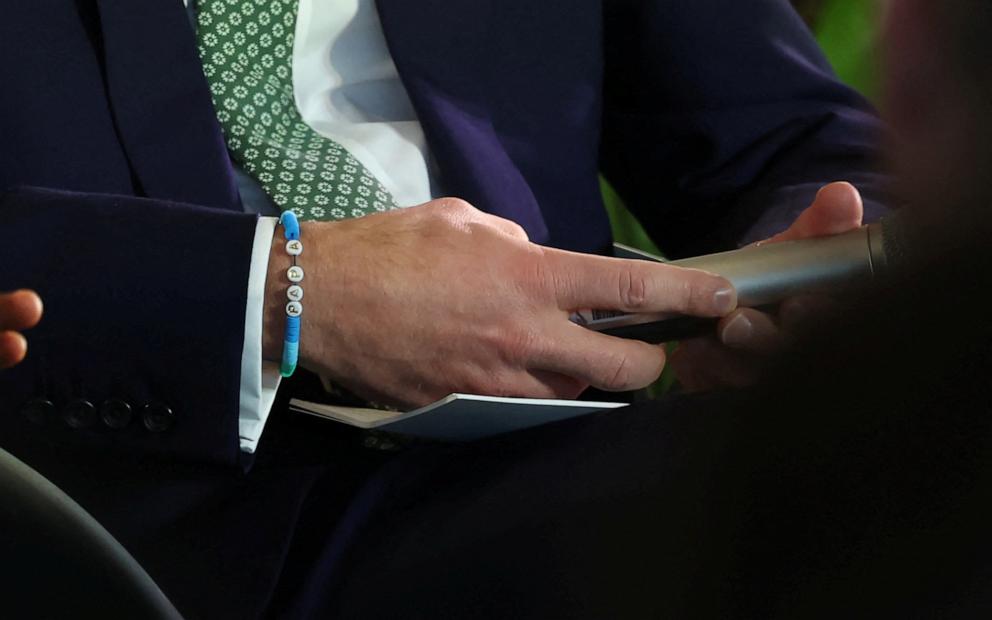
point(715, 120)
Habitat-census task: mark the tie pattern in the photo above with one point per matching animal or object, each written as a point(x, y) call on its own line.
point(247, 49)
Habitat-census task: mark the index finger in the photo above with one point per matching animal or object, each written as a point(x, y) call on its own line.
point(585, 281)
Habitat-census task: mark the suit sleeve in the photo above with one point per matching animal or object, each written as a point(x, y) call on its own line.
point(144, 308)
point(723, 119)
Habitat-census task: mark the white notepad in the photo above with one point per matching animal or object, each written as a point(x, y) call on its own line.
point(458, 417)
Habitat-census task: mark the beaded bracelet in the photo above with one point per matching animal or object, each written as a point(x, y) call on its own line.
point(291, 342)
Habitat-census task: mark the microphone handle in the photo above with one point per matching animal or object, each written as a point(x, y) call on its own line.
point(765, 275)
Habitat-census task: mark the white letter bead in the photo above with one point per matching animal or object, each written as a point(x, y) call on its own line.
point(294, 308)
point(295, 292)
point(294, 247)
point(295, 273)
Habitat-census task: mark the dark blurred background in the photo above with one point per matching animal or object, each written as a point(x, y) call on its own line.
point(847, 30)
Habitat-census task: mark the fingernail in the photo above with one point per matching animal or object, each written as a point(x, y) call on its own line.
point(725, 300)
point(738, 332)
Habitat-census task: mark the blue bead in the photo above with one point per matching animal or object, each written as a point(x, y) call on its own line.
point(292, 329)
point(290, 224)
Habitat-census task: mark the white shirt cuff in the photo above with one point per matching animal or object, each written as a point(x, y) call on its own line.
point(259, 379)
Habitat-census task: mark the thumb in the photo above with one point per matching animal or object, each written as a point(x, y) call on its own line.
point(837, 208)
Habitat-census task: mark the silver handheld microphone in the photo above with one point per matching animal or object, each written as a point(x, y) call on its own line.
point(766, 274)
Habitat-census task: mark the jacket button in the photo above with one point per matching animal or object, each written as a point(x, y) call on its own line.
point(79, 414)
point(115, 413)
point(38, 410)
point(157, 417)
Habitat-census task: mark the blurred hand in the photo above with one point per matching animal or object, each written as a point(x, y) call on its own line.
point(746, 337)
point(18, 310)
point(408, 306)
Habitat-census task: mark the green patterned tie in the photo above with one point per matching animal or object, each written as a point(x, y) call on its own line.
point(247, 50)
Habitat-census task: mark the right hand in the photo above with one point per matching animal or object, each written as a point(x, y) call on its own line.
point(408, 306)
point(18, 310)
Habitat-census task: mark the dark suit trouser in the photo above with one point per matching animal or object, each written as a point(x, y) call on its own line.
point(582, 518)
point(723, 506)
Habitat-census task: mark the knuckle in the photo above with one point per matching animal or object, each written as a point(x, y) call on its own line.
point(503, 226)
point(521, 345)
point(538, 277)
point(456, 204)
point(516, 230)
point(561, 285)
point(510, 344)
point(633, 289)
point(447, 215)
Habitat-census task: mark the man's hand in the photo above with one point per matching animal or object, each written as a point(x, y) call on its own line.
point(408, 306)
point(746, 336)
point(18, 310)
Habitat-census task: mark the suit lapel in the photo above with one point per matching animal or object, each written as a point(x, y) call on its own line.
point(162, 105)
point(441, 52)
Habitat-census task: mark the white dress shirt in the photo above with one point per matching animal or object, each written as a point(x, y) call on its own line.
point(346, 88)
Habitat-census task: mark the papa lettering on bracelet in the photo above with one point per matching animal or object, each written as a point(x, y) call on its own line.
point(294, 294)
